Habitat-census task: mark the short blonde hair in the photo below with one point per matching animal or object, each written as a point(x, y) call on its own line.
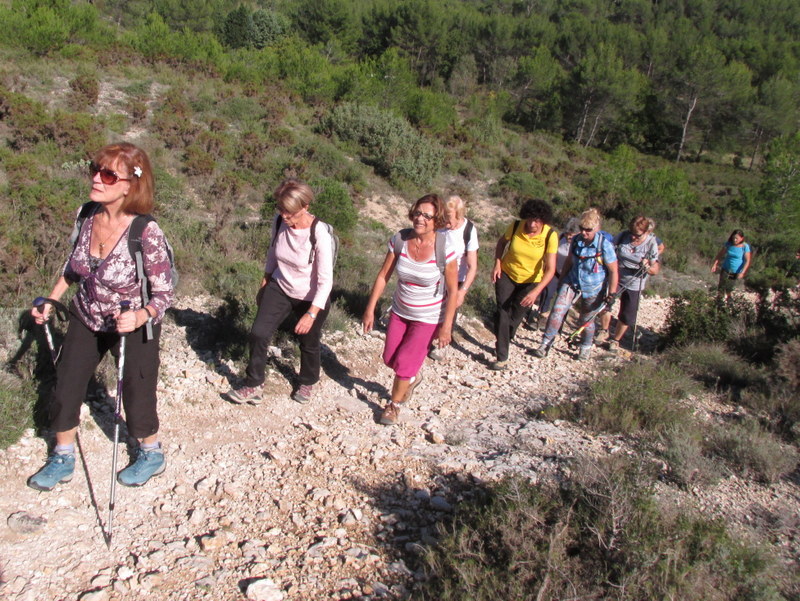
point(139, 199)
point(455, 205)
point(590, 218)
point(291, 195)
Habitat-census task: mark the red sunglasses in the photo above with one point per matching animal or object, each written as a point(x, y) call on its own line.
point(108, 177)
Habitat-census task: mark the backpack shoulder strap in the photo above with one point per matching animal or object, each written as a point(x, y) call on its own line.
point(87, 210)
point(468, 233)
point(405, 234)
point(547, 238)
point(440, 252)
point(135, 233)
point(275, 227)
point(313, 239)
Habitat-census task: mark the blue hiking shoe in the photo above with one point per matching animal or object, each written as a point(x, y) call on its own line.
point(148, 463)
point(58, 468)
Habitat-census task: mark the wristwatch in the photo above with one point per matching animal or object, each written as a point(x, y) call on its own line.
point(311, 315)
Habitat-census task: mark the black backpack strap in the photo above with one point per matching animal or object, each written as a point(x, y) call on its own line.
point(468, 233)
point(405, 234)
point(87, 210)
point(135, 233)
point(313, 238)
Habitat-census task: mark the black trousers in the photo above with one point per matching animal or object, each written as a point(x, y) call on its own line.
point(509, 312)
point(275, 307)
point(82, 351)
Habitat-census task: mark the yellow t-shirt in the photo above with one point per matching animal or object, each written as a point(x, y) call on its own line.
point(524, 259)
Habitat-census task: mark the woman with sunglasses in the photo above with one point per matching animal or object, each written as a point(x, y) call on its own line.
point(105, 273)
point(423, 306)
point(525, 262)
point(732, 261)
point(637, 249)
point(590, 267)
point(298, 278)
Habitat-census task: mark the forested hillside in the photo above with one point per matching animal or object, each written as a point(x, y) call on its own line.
point(687, 111)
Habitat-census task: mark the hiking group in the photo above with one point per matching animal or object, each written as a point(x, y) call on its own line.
point(123, 268)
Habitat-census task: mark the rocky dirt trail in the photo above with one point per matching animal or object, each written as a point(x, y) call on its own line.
point(317, 501)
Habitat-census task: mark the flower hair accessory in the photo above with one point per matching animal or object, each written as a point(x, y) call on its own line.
point(137, 171)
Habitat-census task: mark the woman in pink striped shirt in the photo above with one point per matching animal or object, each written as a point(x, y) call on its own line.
point(424, 301)
point(298, 278)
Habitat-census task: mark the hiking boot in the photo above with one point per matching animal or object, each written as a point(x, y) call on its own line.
point(498, 365)
point(613, 346)
point(541, 351)
point(303, 393)
point(390, 415)
point(245, 394)
point(584, 353)
point(148, 463)
point(58, 468)
point(601, 337)
point(414, 383)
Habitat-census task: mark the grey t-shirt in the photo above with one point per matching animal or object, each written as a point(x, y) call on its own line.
point(630, 257)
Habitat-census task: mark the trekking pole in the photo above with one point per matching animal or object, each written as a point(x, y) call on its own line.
point(123, 307)
point(61, 311)
point(642, 274)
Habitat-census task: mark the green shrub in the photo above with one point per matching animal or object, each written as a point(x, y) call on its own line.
point(682, 448)
point(334, 205)
point(639, 398)
point(197, 161)
point(391, 144)
point(517, 187)
point(694, 316)
point(715, 367)
point(600, 536)
point(750, 451)
point(17, 400)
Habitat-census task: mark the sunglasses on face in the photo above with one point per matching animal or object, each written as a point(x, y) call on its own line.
point(587, 229)
point(427, 217)
point(107, 176)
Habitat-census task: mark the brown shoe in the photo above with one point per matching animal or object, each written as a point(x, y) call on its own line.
point(390, 415)
point(414, 383)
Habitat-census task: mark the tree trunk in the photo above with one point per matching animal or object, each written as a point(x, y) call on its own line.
point(686, 127)
point(759, 132)
point(579, 135)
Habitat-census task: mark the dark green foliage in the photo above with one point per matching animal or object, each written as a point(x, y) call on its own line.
point(17, 400)
point(715, 367)
point(750, 451)
point(389, 142)
point(601, 536)
point(333, 204)
point(639, 398)
point(697, 316)
point(517, 187)
point(198, 161)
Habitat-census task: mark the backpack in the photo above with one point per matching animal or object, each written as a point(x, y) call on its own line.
point(598, 257)
point(439, 251)
point(312, 237)
point(135, 232)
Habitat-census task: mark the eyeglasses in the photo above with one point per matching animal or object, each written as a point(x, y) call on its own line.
point(636, 236)
point(108, 177)
point(587, 229)
point(427, 217)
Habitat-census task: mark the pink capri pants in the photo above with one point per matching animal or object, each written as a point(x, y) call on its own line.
point(407, 344)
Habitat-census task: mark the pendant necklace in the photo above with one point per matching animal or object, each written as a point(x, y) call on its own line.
point(102, 245)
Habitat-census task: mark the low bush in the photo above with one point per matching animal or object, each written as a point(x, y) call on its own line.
point(750, 451)
point(694, 316)
point(390, 143)
point(600, 536)
point(84, 91)
point(683, 450)
point(715, 367)
point(334, 205)
point(517, 186)
point(640, 398)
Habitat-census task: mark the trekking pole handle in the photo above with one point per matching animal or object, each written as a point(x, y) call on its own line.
point(60, 310)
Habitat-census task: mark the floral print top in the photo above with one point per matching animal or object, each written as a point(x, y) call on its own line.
point(104, 283)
